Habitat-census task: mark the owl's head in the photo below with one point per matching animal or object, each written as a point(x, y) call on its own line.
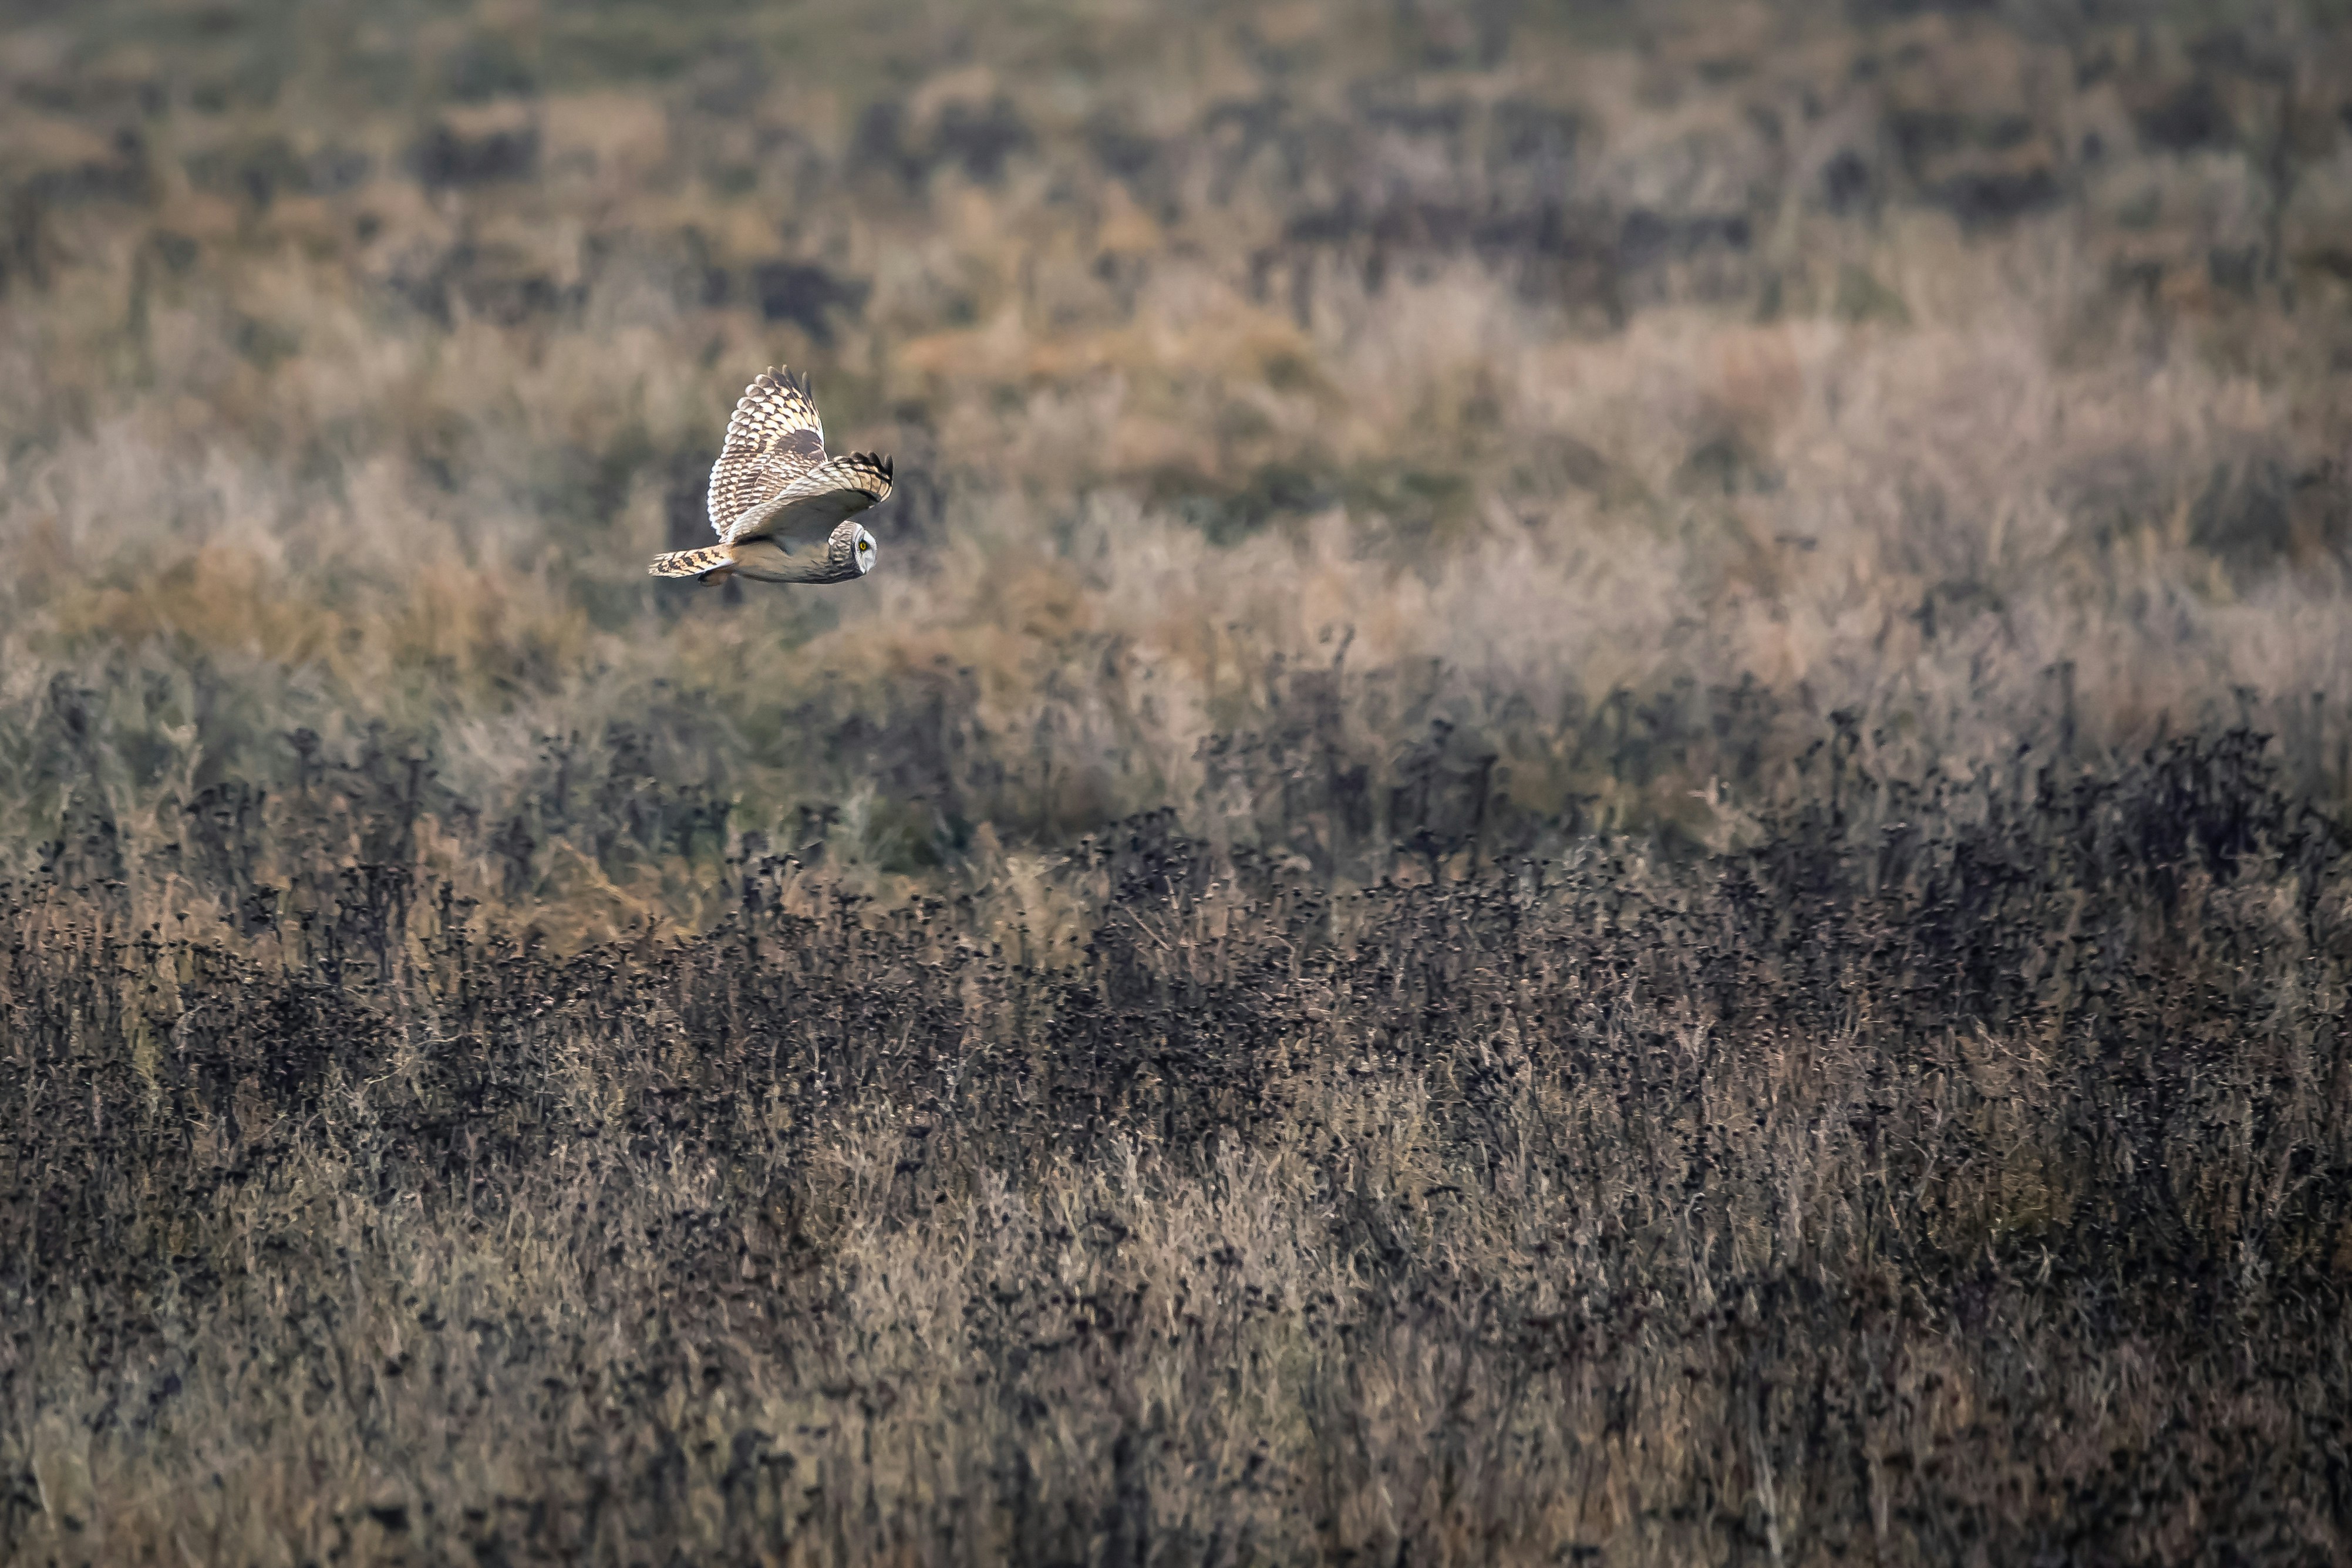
point(862, 550)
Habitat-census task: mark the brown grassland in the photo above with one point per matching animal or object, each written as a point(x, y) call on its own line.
point(1591, 809)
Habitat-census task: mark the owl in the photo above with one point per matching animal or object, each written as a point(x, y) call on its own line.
point(783, 509)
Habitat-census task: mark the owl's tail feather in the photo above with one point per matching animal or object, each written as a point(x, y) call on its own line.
point(712, 563)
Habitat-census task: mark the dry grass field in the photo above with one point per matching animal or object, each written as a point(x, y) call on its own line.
point(1591, 810)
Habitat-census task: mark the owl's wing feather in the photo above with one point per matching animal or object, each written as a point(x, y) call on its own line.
point(811, 505)
point(774, 438)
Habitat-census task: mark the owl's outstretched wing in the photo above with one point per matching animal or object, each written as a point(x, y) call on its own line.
point(811, 505)
point(774, 438)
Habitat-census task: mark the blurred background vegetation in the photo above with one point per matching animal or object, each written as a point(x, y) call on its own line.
point(1863, 485)
point(1581, 402)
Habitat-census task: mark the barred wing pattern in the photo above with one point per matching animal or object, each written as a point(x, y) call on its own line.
point(774, 438)
point(810, 506)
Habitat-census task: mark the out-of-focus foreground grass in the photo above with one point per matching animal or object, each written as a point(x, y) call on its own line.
point(1824, 528)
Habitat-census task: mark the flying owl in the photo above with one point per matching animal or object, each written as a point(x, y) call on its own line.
point(783, 508)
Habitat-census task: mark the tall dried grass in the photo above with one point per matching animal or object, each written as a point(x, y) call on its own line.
point(1587, 807)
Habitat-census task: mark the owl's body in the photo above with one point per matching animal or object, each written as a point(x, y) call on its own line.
point(780, 507)
point(846, 553)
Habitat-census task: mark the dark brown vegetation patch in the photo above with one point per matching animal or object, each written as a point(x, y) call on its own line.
point(1956, 1169)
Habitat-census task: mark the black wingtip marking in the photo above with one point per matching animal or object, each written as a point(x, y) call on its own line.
point(781, 378)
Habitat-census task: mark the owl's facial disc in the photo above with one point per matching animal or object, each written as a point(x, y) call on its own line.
point(862, 551)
